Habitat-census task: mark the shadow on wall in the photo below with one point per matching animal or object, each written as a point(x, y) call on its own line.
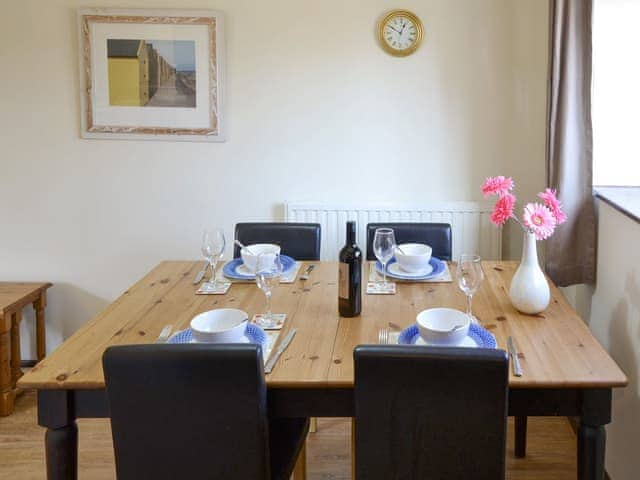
point(73, 307)
point(624, 334)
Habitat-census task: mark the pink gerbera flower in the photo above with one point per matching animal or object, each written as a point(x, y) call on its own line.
point(552, 203)
point(497, 186)
point(539, 219)
point(503, 209)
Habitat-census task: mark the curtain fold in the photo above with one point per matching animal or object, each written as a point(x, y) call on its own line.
point(571, 251)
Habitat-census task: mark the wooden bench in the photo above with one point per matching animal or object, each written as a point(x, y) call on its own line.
point(14, 296)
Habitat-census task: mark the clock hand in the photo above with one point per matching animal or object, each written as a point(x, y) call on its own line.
point(393, 29)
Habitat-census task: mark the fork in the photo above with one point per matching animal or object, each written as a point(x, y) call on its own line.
point(383, 336)
point(164, 334)
point(305, 277)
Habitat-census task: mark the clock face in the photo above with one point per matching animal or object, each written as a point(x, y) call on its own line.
point(400, 33)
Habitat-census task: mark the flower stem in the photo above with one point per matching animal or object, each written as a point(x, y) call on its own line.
point(520, 223)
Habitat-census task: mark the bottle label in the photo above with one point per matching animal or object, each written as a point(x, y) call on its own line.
point(343, 280)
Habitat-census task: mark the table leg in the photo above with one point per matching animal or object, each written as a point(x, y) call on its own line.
point(7, 393)
point(596, 413)
point(38, 306)
point(61, 445)
point(56, 413)
point(300, 470)
point(353, 447)
point(520, 437)
point(16, 371)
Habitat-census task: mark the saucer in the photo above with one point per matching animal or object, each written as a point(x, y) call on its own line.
point(396, 270)
point(253, 334)
point(237, 270)
point(437, 267)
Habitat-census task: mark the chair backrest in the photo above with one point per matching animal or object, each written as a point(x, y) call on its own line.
point(436, 235)
point(430, 412)
point(300, 241)
point(188, 411)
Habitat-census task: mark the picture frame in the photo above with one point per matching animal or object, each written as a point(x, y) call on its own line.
point(151, 74)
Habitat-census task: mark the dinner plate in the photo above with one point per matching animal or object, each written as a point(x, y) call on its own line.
point(436, 268)
point(237, 270)
point(253, 334)
point(477, 337)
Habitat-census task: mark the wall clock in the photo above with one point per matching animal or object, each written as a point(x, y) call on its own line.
point(400, 33)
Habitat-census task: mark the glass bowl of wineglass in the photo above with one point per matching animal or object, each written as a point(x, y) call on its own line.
point(268, 273)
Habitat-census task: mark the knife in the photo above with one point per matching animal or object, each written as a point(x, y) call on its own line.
point(283, 346)
point(200, 274)
point(305, 275)
point(517, 370)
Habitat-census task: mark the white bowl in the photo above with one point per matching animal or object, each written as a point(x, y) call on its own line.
point(435, 326)
point(257, 248)
point(223, 325)
point(414, 257)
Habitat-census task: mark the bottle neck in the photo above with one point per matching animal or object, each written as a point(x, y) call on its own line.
point(351, 233)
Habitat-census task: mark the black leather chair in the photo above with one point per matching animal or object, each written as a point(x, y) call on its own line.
point(300, 241)
point(436, 235)
point(429, 412)
point(196, 412)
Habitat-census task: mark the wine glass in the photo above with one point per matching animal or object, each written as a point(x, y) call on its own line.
point(213, 243)
point(469, 274)
point(268, 273)
point(384, 244)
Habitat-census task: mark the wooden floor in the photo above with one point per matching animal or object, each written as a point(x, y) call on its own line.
point(551, 449)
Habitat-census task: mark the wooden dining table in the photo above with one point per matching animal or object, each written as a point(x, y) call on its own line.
point(566, 370)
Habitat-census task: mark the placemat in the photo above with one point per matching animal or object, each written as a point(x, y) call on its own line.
point(272, 339)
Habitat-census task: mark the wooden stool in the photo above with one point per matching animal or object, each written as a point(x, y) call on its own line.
point(14, 296)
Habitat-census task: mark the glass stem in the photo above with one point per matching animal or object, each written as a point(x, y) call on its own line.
point(213, 263)
point(268, 312)
point(384, 274)
point(469, 298)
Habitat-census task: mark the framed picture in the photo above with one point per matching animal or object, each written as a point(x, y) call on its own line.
point(151, 74)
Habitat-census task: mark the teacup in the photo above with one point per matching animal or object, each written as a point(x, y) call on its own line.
point(443, 326)
point(413, 257)
point(250, 259)
point(222, 325)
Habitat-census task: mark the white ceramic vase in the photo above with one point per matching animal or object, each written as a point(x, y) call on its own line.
point(529, 290)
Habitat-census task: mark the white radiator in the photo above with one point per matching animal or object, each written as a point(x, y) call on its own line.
point(471, 228)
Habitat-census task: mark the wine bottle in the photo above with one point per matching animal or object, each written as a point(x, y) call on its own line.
point(350, 275)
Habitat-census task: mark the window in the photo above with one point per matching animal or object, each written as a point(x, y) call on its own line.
point(616, 92)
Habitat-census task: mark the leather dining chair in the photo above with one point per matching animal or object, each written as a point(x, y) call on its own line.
point(196, 412)
point(436, 235)
point(430, 412)
point(300, 241)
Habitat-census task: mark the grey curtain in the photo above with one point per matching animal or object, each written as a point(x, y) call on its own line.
point(571, 251)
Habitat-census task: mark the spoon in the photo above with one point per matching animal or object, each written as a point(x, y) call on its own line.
point(401, 251)
point(457, 327)
point(242, 245)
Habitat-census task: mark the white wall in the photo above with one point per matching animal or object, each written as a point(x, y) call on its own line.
point(316, 111)
point(615, 321)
